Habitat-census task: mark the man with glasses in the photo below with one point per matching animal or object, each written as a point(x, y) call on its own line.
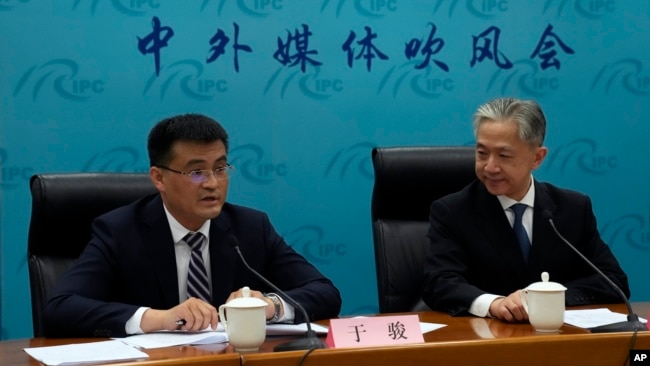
point(167, 261)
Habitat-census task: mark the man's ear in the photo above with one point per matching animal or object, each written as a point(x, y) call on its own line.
point(540, 154)
point(156, 176)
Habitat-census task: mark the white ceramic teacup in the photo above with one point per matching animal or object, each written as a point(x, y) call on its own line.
point(544, 303)
point(244, 320)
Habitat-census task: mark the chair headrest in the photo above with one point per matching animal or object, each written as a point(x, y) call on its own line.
point(64, 205)
point(408, 179)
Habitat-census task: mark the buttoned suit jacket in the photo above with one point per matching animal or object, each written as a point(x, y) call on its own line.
point(130, 262)
point(473, 250)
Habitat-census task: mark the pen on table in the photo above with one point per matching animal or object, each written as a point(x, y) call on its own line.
point(181, 322)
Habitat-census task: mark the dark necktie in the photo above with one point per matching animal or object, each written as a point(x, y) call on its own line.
point(520, 231)
point(197, 277)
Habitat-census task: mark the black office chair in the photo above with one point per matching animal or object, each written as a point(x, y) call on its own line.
point(63, 207)
point(407, 180)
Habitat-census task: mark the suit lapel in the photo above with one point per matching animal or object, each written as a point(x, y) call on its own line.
point(544, 242)
point(496, 228)
point(158, 240)
point(223, 258)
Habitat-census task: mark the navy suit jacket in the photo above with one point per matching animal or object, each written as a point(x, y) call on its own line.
point(473, 250)
point(130, 262)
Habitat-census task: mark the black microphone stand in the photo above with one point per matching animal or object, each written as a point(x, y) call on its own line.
point(633, 324)
point(311, 340)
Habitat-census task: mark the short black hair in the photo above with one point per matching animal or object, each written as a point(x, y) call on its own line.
point(184, 127)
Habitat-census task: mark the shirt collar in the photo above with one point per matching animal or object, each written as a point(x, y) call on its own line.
point(528, 200)
point(179, 231)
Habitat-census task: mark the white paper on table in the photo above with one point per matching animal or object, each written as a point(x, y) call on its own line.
point(167, 339)
point(208, 336)
point(430, 327)
point(590, 318)
point(175, 338)
point(85, 353)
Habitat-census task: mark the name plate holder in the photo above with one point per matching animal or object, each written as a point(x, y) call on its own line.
point(374, 331)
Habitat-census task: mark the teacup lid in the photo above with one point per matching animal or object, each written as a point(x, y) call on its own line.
point(545, 285)
point(246, 301)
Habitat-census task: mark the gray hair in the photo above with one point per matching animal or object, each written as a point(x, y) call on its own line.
point(527, 114)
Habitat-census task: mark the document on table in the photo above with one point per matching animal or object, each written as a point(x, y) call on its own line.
point(208, 336)
point(590, 318)
point(430, 327)
point(175, 338)
point(85, 353)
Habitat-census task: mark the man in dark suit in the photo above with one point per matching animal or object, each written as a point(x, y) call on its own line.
point(476, 263)
point(138, 273)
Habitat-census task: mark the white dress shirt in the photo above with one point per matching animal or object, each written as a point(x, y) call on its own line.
point(481, 305)
point(183, 254)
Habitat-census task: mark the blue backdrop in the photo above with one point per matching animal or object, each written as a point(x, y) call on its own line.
point(306, 89)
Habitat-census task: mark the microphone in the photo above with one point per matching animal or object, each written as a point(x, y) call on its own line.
point(633, 324)
point(311, 340)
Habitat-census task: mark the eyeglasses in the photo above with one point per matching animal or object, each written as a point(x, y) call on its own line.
point(201, 175)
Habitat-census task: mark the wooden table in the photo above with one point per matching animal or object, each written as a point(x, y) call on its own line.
point(464, 341)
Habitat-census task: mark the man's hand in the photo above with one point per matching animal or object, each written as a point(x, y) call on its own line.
point(509, 309)
point(270, 310)
point(197, 314)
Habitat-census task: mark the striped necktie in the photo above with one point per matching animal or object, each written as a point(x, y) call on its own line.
point(197, 277)
point(520, 230)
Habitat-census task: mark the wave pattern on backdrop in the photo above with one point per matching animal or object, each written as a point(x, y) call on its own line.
point(306, 90)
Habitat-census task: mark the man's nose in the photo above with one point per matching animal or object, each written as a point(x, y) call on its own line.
point(491, 164)
point(211, 181)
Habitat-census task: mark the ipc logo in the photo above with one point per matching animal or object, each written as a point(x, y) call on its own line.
point(632, 230)
point(253, 8)
point(317, 87)
point(259, 8)
point(375, 8)
point(595, 9)
point(249, 161)
point(313, 86)
point(11, 176)
point(355, 158)
point(482, 9)
point(525, 76)
point(487, 9)
point(119, 159)
point(427, 83)
point(62, 75)
point(187, 77)
point(628, 73)
point(372, 9)
point(308, 240)
point(589, 9)
point(584, 154)
point(126, 7)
